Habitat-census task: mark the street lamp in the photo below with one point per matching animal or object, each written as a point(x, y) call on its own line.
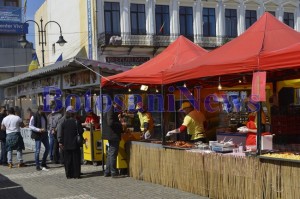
point(42, 34)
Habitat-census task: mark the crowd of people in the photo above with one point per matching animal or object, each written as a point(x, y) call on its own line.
point(58, 132)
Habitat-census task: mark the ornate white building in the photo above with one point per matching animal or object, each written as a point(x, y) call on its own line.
point(145, 27)
point(130, 32)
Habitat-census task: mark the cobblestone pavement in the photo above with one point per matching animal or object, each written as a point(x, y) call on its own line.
point(27, 183)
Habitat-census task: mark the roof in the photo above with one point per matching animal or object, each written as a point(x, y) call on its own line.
point(155, 70)
point(65, 66)
point(246, 53)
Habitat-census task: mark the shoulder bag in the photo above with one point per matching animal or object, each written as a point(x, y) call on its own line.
point(79, 138)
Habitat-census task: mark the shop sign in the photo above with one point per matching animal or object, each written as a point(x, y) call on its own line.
point(12, 14)
point(37, 86)
point(13, 27)
point(259, 86)
point(127, 61)
point(80, 79)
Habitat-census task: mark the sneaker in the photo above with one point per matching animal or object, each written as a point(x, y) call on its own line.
point(38, 168)
point(10, 165)
point(45, 169)
point(44, 165)
point(22, 165)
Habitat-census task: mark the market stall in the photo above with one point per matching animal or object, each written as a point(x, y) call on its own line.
point(215, 175)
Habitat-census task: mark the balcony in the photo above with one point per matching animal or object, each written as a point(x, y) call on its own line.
point(126, 39)
point(11, 42)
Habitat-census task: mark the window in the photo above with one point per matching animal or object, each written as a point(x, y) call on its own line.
point(230, 23)
point(186, 21)
point(288, 19)
point(250, 18)
point(162, 19)
point(209, 22)
point(272, 13)
point(112, 18)
point(13, 3)
point(138, 19)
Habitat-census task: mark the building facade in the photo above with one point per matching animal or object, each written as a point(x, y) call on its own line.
point(130, 32)
point(131, 28)
point(14, 58)
point(72, 17)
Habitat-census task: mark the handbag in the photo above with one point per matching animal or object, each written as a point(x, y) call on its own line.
point(79, 138)
point(35, 135)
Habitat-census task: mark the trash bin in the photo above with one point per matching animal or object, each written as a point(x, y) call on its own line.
point(92, 148)
point(122, 162)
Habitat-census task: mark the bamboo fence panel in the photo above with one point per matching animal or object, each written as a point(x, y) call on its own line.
point(281, 179)
point(214, 175)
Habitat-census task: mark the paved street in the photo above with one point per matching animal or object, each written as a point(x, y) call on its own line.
point(27, 183)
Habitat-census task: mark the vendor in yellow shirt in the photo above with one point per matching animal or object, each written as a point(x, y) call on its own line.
point(146, 121)
point(194, 122)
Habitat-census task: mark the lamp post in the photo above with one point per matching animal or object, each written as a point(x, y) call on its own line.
point(42, 37)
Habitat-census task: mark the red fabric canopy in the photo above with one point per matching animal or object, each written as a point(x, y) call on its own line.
point(261, 47)
point(181, 51)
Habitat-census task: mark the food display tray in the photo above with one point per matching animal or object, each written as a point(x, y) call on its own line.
point(222, 149)
point(180, 148)
point(277, 159)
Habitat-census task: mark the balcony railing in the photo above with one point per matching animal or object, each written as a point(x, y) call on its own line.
point(126, 39)
point(11, 43)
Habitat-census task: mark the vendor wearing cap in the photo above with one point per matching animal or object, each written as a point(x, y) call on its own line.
point(194, 123)
point(146, 120)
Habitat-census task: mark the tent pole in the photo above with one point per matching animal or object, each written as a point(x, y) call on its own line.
point(101, 122)
point(162, 117)
point(259, 129)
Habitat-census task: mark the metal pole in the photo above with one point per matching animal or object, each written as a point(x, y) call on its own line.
point(162, 117)
point(101, 120)
point(259, 129)
point(42, 35)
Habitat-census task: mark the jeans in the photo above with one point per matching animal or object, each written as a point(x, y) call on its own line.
point(51, 145)
point(111, 161)
point(45, 141)
point(19, 156)
point(3, 157)
point(54, 148)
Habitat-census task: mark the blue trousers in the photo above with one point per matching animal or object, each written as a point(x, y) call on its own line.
point(45, 141)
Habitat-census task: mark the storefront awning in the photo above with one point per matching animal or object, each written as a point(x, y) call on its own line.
point(155, 71)
point(61, 67)
point(266, 45)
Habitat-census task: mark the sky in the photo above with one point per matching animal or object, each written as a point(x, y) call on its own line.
point(32, 7)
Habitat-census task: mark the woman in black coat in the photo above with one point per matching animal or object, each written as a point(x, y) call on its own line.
point(112, 129)
point(67, 138)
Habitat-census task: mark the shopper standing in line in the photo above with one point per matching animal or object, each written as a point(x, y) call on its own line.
point(67, 138)
point(38, 125)
point(53, 119)
point(14, 141)
point(112, 129)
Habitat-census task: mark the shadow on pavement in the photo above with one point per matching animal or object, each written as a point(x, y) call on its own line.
point(10, 189)
point(92, 174)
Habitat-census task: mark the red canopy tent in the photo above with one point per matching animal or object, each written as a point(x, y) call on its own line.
point(264, 46)
point(181, 51)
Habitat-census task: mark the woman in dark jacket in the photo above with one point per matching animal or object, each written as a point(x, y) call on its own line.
point(67, 138)
point(112, 129)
